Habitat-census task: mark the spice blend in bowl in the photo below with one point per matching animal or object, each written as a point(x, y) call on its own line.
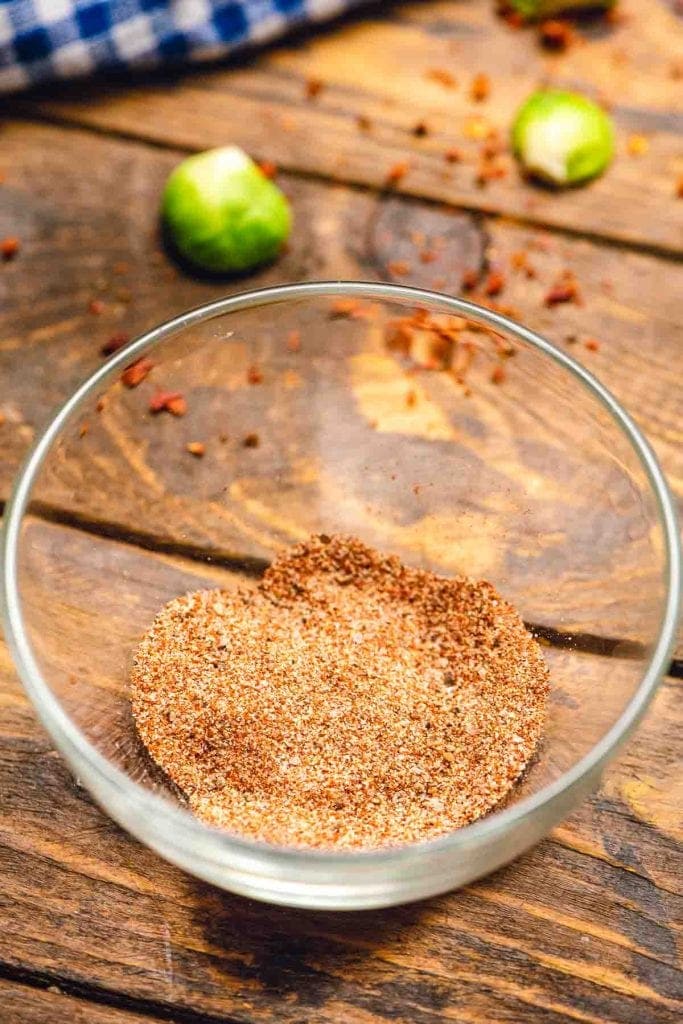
point(347, 701)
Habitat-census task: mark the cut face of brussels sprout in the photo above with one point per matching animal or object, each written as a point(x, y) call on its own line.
point(562, 137)
point(222, 213)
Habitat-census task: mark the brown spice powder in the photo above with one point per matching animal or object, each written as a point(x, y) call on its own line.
point(346, 702)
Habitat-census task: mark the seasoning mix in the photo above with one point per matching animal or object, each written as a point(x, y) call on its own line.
point(346, 701)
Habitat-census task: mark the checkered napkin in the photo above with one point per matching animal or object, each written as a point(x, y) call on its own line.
point(49, 39)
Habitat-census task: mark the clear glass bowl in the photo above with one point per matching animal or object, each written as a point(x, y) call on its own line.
point(539, 482)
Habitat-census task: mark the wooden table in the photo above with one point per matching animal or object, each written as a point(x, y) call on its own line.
point(586, 927)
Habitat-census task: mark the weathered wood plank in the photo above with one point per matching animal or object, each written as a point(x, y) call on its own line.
point(263, 107)
point(24, 1004)
point(585, 927)
point(132, 470)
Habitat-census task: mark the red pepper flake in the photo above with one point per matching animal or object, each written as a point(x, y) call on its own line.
point(399, 268)
point(254, 375)
point(294, 341)
point(268, 168)
point(498, 374)
point(416, 489)
point(168, 401)
point(411, 398)
point(251, 441)
point(83, 429)
point(555, 34)
point(343, 307)
point(470, 280)
point(490, 170)
point(196, 448)
point(314, 86)
point(495, 282)
point(136, 372)
point(679, 187)
point(443, 77)
point(592, 344)
point(565, 289)
point(101, 404)
point(96, 306)
point(453, 155)
point(480, 88)
point(519, 260)
point(364, 122)
point(428, 256)
point(396, 173)
point(421, 129)
point(114, 343)
point(9, 247)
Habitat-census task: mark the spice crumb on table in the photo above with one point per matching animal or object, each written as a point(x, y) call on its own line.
point(347, 701)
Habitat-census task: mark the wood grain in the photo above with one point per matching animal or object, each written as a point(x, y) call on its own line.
point(263, 107)
point(585, 927)
point(26, 1004)
point(132, 473)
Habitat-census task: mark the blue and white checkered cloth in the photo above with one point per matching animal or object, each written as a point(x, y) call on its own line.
point(49, 39)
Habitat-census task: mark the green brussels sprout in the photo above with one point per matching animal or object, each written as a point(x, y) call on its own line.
point(222, 213)
point(534, 10)
point(562, 137)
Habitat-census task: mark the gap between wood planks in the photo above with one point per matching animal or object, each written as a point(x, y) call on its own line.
point(248, 565)
point(102, 996)
point(17, 112)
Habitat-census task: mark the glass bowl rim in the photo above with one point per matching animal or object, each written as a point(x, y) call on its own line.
point(182, 824)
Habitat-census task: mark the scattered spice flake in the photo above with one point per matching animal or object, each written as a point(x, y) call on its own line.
point(254, 375)
point(196, 448)
point(519, 261)
point(9, 247)
point(399, 268)
point(418, 238)
point(396, 173)
point(168, 401)
point(498, 374)
point(679, 187)
point(136, 372)
point(101, 404)
point(428, 256)
point(411, 398)
point(637, 145)
point(477, 128)
point(314, 86)
point(443, 77)
point(120, 268)
point(96, 306)
point(480, 88)
point(495, 282)
point(453, 155)
point(268, 168)
point(364, 122)
point(223, 438)
point(676, 70)
point(420, 129)
point(490, 170)
point(251, 441)
point(470, 280)
point(555, 34)
point(416, 489)
point(592, 344)
point(565, 289)
point(3, 419)
point(83, 429)
point(294, 341)
point(344, 307)
point(114, 343)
